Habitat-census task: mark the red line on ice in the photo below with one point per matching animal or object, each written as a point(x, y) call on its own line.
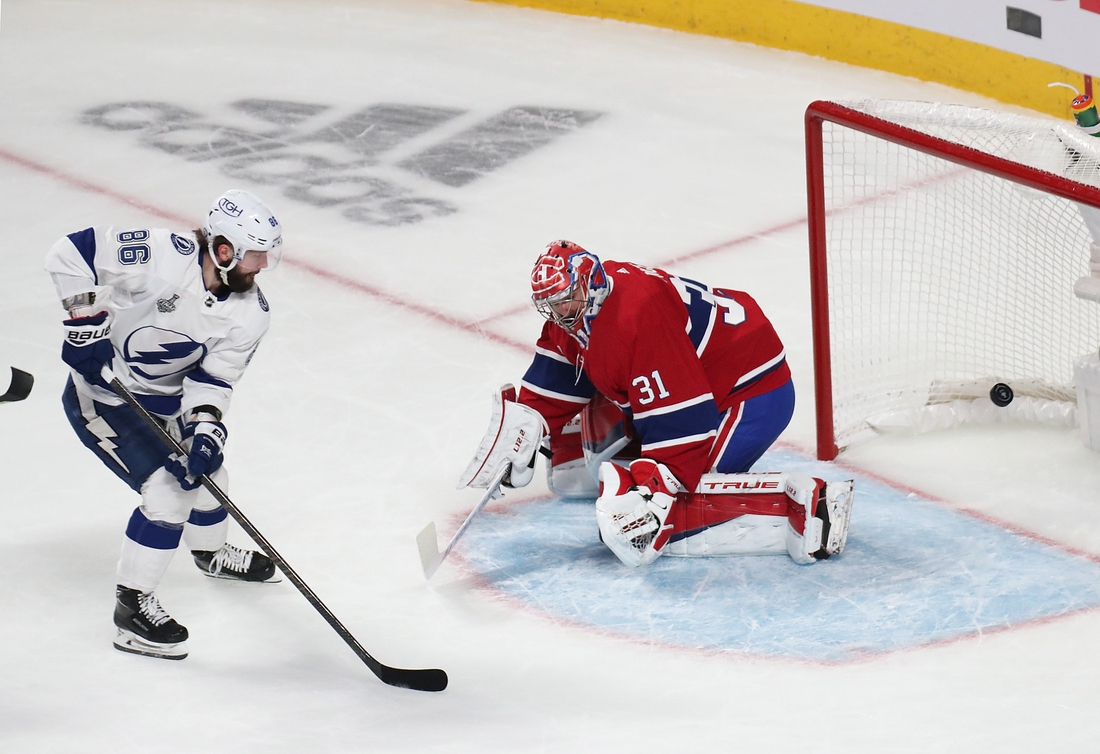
point(332, 277)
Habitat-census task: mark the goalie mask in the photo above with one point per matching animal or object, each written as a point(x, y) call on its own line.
point(248, 226)
point(568, 287)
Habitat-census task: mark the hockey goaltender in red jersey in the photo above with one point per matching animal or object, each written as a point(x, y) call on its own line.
point(669, 391)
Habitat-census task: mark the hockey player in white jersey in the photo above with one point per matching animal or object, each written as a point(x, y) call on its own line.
point(177, 319)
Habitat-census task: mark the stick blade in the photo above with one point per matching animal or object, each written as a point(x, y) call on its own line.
point(428, 546)
point(416, 680)
point(21, 384)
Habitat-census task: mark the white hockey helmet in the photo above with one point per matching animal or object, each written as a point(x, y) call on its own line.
point(247, 224)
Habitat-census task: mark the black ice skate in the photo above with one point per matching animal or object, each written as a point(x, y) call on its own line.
point(230, 562)
point(144, 628)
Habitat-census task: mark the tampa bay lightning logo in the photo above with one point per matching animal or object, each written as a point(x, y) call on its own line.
point(154, 352)
point(183, 245)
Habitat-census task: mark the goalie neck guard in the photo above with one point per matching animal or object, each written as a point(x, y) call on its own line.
point(568, 286)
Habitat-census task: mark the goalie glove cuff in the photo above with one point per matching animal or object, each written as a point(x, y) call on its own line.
point(652, 478)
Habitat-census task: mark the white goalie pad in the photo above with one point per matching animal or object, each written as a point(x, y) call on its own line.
point(802, 546)
point(514, 435)
point(825, 531)
point(745, 535)
point(763, 514)
point(839, 497)
point(572, 480)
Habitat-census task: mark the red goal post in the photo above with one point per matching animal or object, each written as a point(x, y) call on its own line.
point(944, 245)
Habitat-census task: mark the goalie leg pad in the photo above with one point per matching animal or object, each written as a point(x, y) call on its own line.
point(748, 534)
point(839, 497)
point(571, 479)
point(758, 514)
point(568, 474)
point(819, 516)
point(804, 529)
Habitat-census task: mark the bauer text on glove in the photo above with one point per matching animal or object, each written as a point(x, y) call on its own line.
point(207, 438)
point(87, 348)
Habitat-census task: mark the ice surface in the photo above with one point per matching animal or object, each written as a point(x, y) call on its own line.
point(915, 572)
point(400, 307)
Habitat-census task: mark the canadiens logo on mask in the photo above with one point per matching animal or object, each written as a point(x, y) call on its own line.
point(549, 275)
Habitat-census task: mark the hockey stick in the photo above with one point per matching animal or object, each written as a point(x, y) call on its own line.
point(430, 556)
point(418, 680)
point(20, 388)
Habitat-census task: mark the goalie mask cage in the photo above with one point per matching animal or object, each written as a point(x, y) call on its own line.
point(945, 242)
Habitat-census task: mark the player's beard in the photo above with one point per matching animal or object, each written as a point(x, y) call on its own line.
point(240, 282)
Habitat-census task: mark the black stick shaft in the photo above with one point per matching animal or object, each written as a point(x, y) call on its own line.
point(419, 680)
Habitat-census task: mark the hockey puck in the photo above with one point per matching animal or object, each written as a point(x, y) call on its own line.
point(1001, 395)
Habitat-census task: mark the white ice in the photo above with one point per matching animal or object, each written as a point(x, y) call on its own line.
point(372, 390)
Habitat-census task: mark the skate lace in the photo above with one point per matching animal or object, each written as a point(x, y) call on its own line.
point(151, 609)
point(231, 558)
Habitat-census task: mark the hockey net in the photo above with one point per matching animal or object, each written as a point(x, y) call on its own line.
point(945, 245)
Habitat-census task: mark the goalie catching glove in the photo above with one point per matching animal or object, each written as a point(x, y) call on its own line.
point(633, 507)
point(514, 436)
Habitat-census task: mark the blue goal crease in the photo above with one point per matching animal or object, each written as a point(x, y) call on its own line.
point(914, 573)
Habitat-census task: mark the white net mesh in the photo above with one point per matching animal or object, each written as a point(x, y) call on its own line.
point(944, 280)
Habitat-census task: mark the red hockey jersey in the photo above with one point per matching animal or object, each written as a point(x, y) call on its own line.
point(672, 353)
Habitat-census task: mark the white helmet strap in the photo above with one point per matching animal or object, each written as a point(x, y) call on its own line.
point(223, 270)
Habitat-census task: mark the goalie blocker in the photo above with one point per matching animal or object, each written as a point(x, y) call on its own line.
point(642, 510)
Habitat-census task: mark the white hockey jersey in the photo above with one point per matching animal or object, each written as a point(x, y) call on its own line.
point(177, 345)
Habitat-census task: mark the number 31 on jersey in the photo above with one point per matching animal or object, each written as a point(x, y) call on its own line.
point(645, 387)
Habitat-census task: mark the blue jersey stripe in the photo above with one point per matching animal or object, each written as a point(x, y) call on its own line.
point(84, 241)
point(159, 535)
point(558, 377)
point(700, 312)
point(687, 422)
point(161, 405)
point(201, 375)
point(207, 518)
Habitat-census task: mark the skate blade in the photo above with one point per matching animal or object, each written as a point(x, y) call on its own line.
point(275, 578)
point(840, 515)
point(129, 642)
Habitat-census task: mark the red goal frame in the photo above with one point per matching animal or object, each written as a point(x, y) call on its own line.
point(816, 114)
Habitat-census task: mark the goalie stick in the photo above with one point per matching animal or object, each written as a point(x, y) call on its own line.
point(430, 556)
point(20, 387)
point(417, 680)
